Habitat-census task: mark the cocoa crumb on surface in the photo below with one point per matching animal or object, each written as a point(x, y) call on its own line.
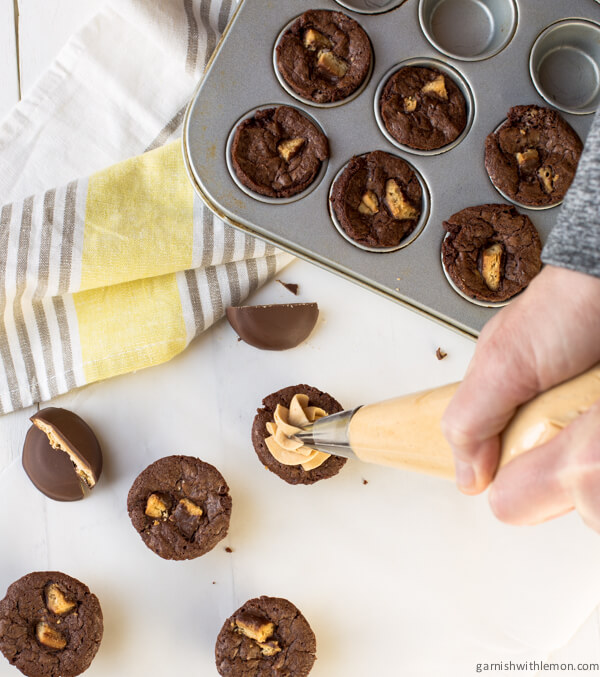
point(290, 286)
point(440, 354)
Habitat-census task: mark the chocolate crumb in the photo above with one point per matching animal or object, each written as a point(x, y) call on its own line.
point(214, 582)
point(239, 339)
point(290, 286)
point(365, 482)
point(440, 354)
point(228, 549)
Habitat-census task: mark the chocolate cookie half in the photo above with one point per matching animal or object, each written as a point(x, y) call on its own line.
point(377, 199)
point(278, 152)
point(324, 56)
point(265, 637)
point(423, 108)
point(50, 625)
point(293, 474)
point(180, 506)
point(491, 251)
point(533, 156)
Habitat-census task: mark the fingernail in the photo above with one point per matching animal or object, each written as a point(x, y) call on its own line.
point(465, 475)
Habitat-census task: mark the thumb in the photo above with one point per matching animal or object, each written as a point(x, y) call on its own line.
point(553, 478)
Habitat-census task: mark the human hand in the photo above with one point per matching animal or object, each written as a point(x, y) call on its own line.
point(548, 335)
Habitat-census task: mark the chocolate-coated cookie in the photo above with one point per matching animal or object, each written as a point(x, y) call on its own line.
point(278, 152)
point(491, 251)
point(293, 474)
point(423, 108)
point(180, 506)
point(377, 199)
point(267, 636)
point(533, 156)
point(324, 56)
point(50, 625)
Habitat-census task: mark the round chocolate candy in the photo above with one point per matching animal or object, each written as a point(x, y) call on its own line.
point(279, 326)
point(61, 454)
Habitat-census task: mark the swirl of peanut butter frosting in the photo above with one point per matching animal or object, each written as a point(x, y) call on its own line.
point(283, 444)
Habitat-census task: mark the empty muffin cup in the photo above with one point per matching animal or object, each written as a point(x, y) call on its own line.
point(564, 65)
point(469, 30)
point(289, 148)
point(448, 72)
point(370, 6)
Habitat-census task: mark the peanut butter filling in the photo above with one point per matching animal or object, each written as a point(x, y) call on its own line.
point(283, 444)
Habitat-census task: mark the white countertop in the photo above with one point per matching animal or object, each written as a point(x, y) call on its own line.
point(394, 575)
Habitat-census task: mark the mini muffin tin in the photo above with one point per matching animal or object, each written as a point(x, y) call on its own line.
point(505, 52)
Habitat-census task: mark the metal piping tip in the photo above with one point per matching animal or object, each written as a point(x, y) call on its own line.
point(330, 434)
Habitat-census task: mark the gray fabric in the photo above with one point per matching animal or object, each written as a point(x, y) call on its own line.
point(575, 239)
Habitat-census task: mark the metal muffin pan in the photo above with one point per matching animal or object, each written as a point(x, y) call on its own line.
point(240, 77)
point(560, 50)
point(369, 6)
point(486, 26)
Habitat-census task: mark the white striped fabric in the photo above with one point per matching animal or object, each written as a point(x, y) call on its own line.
point(44, 329)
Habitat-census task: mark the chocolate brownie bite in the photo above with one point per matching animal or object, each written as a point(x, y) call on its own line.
point(278, 152)
point(267, 636)
point(50, 625)
point(377, 199)
point(324, 56)
point(491, 252)
point(180, 506)
point(423, 108)
point(533, 156)
point(297, 469)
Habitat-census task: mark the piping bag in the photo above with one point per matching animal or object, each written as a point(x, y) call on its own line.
point(405, 432)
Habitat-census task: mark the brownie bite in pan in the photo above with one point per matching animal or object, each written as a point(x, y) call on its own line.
point(377, 199)
point(533, 156)
point(324, 56)
point(491, 252)
point(278, 152)
point(423, 108)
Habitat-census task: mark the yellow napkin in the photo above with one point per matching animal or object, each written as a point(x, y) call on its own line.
point(113, 273)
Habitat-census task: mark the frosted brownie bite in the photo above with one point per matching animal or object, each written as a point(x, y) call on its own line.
point(295, 406)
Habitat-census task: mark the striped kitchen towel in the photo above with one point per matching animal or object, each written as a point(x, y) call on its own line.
point(115, 272)
point(122, 269)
